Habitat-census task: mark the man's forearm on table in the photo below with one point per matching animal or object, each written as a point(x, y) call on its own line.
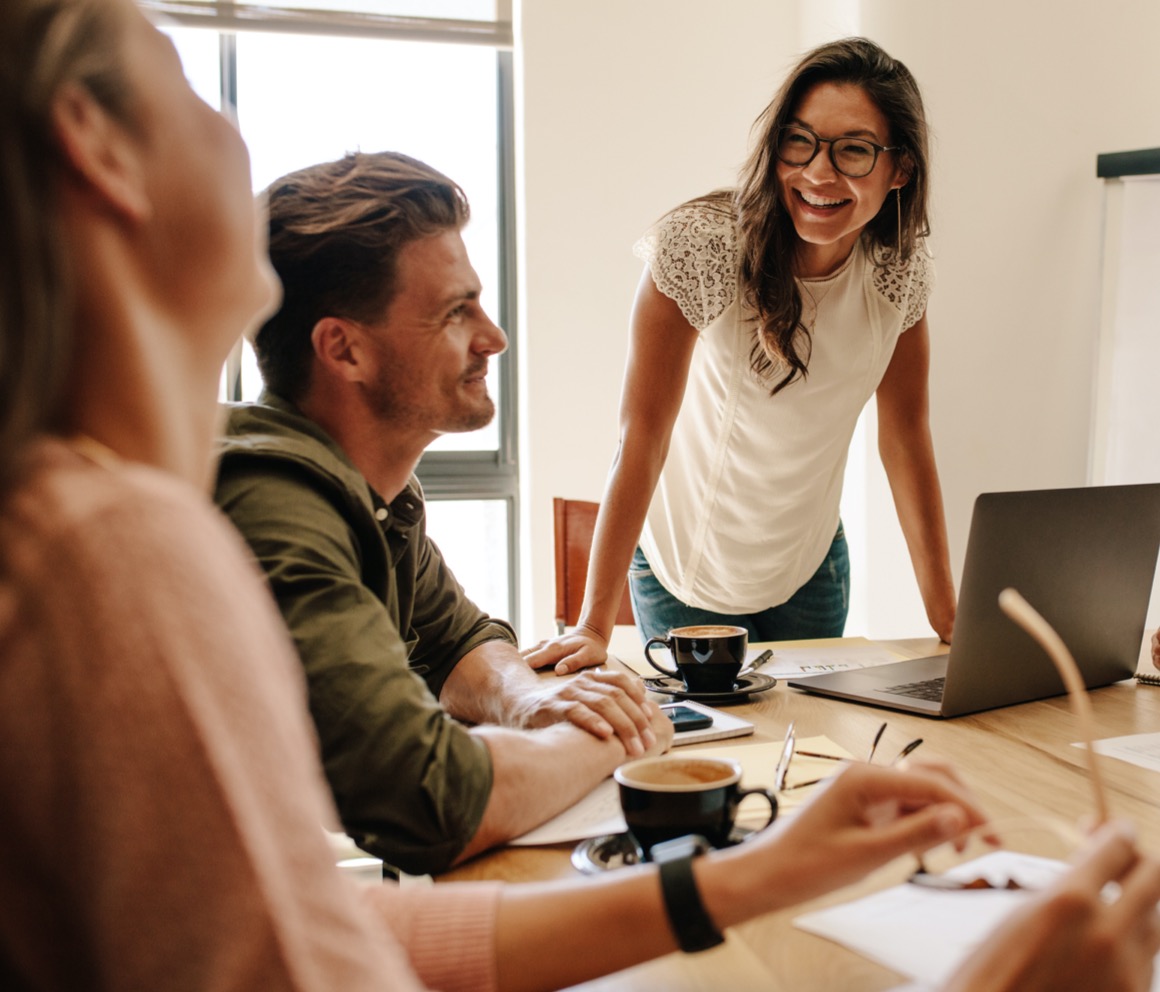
point(488, 684)
point(537, 774)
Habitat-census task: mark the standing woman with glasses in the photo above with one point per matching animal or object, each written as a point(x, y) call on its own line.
point(767, 316)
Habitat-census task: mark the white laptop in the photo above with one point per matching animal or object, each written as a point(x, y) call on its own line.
point(1084, 558)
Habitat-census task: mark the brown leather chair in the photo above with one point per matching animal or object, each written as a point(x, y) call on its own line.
point(574, 522)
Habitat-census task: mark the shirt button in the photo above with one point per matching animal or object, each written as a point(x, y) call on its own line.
point(381, 513)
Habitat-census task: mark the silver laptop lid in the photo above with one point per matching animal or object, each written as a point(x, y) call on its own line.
point(1084, 558)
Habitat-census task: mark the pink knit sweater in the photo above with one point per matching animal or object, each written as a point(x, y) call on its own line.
point(161, 800)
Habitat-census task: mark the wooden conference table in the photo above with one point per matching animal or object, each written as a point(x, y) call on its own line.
point(1018, 760)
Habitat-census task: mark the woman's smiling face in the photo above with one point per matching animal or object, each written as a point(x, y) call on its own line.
point(829, 210)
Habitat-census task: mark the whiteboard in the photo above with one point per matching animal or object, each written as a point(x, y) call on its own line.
point(1125, 439)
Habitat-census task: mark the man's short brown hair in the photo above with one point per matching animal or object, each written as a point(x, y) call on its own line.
point(335, 234)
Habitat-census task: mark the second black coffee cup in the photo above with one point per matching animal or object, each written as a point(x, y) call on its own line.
point(671, 796)
point(707, 657)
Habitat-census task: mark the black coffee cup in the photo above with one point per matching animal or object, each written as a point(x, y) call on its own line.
point(708, 657)
point(670, 796)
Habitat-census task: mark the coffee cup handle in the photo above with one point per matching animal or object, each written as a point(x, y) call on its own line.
point(672, 673)
point(766, 794)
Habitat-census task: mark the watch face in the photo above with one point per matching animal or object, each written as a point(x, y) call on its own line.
point(688, 846)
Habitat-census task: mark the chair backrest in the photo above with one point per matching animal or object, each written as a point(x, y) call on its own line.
point(574, 522)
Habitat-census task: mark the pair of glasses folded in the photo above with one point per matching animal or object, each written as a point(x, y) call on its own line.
point(789, 749)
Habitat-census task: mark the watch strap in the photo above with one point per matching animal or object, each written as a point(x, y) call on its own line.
point(687, 917)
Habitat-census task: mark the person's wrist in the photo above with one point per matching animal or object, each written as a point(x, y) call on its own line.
point(586, 628)
point(688, 918)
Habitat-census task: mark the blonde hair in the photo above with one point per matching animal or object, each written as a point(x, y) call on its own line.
point(44, 44)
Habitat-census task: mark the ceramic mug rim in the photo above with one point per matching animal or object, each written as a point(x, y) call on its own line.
point(718, 628)
point(622, 773)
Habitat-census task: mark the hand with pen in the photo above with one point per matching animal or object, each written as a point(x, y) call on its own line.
point(863, 817)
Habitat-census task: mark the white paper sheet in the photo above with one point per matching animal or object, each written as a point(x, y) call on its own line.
point(1138, 749)
point(793, 662)
point(925, 933)
point(597, 814)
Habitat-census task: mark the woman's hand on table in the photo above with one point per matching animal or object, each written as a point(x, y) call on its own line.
point(569, 652)
point(1076, 935)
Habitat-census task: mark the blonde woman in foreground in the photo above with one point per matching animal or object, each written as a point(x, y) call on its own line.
point(161, 788)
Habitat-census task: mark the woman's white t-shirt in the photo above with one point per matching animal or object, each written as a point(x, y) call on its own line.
point(747, 503)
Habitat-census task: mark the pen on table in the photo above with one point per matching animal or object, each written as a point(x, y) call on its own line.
point(906, 750)
point(837, 757)
point(783, 762)
point(874, 745)
point(757, 662)
point(801, 785)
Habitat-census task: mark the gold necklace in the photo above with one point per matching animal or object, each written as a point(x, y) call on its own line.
point(94, 450)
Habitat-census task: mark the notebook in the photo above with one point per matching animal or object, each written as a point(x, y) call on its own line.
point(1084, 558)
point(724, 725)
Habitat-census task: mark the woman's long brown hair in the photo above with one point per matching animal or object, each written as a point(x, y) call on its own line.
point(766, 238)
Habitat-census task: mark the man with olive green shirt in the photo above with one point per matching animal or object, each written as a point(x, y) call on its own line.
point(438, 740)
point(351, 573)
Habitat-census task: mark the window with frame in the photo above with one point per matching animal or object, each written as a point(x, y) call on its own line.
point(308, 82)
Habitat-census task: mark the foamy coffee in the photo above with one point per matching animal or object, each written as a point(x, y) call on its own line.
point(707, 631)
point(683, 774)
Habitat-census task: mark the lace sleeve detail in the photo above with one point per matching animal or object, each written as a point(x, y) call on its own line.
point(692, 255)
point(907, 286)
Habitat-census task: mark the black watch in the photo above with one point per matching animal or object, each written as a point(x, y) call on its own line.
point(687, 917)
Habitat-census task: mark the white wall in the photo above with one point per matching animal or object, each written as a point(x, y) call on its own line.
point(626, 107)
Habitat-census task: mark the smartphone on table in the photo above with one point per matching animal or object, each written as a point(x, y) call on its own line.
point(687, 718)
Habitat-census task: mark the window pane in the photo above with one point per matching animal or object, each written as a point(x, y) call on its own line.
point(473, 537)
point(304, 100)
point(201, 59)
point(462, 10)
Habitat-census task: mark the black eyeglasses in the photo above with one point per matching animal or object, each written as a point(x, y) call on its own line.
point(852, 157)
point(789, 749)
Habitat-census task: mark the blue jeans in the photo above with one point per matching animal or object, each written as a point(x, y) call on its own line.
point(817, 609)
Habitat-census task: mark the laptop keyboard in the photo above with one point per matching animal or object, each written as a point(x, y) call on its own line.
point(931, 689)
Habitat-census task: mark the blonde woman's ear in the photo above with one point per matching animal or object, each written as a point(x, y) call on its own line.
point(103, 158)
